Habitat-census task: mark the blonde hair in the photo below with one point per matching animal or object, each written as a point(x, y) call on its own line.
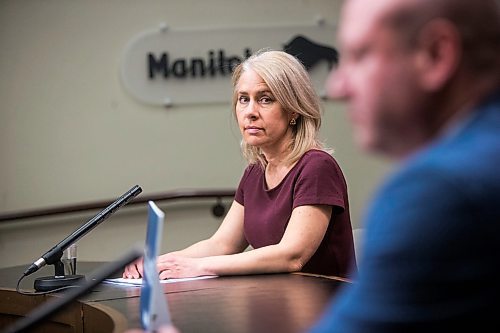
point(291, 85)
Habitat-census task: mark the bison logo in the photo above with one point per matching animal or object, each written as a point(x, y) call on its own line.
point(310, 53)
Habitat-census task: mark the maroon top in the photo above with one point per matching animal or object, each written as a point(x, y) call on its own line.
point(316, 179)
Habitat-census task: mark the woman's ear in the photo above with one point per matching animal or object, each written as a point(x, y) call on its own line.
point(439, 51)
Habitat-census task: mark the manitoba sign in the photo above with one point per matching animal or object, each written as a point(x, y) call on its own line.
point(166, 67)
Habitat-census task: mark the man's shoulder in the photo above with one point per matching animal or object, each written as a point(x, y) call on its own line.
point(462, 163)
point(472, 145)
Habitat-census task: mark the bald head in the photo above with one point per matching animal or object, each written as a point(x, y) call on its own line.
point(477, 24)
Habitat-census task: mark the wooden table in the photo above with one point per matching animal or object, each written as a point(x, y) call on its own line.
point(257, 303)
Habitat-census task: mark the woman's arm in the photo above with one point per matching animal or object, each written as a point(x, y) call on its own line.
point(228, 239)
point(302, 237)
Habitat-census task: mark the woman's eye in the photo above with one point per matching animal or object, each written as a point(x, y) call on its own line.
point(242, 99)
point(266, 100)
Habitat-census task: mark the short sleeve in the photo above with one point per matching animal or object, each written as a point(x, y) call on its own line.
point(320, 182)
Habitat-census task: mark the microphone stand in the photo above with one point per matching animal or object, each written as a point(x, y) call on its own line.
point(59, 279)
point(54, 255)
point(29, 321)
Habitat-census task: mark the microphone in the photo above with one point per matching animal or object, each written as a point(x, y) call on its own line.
point(54, 255)
point(55, 305)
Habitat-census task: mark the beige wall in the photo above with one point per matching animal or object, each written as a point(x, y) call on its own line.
point(69, 133)
point(185, 222)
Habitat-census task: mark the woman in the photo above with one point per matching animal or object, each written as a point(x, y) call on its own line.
point(291, 205)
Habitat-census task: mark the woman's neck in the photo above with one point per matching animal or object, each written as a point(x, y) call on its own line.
point(277, 168)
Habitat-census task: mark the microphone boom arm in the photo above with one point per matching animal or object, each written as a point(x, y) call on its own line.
point(54, 254)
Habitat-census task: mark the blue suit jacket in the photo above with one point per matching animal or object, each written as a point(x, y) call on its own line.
point(431, 259)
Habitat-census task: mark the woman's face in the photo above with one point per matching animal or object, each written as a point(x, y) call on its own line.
point(263, 122)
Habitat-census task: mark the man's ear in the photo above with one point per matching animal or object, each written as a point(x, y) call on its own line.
point(439, 51)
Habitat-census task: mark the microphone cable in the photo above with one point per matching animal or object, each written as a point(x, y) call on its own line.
point(30, 293)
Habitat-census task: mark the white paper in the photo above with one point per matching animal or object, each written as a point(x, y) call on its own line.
point(138, 282)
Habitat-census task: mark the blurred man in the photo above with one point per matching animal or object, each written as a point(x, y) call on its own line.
point(421, 81)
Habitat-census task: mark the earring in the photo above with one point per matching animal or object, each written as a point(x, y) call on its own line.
point(293, 122)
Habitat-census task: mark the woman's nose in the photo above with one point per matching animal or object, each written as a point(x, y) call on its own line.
point(252, 110)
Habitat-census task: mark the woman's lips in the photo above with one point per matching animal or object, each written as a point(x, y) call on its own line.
point(253, 130)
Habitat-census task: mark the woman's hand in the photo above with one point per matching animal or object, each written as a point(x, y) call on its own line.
point(134, 270)
point(171, 266)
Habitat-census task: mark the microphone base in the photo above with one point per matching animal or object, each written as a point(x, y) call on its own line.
point(48, 283)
